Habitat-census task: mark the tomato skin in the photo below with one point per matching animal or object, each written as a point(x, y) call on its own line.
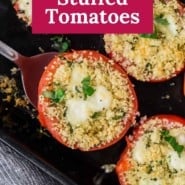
point(123, 164)
point(153, 80)
point(16, 6)
point(48, 123)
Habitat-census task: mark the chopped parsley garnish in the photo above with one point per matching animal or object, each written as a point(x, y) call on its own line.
point(95, 115)
point(148, 68)
point(60, 43)
point(160, 20)
point(55, 95)
point(172, 141)
point(88, 90)
point(150, 36)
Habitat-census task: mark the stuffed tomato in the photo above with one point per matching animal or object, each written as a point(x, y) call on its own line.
point(155, 153)
point(86, 101)
point(153, 57)
point(24, 10)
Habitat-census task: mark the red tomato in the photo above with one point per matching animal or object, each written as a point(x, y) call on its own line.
point(151, 65)
point(25, 13)
point(48, 122)
point(177, 72)
point(123, 165)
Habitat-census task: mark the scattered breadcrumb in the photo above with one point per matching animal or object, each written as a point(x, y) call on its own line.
point(108, 168)
point(41, 49)
point(14, 70)
point(11, 93)
point(167, 96)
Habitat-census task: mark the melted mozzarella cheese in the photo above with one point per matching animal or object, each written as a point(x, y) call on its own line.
point(139, 150)
point(179, 135)
point(176, 162)
point(77, 111)
point(78, 74)
point(172, 27)
point(181, 139)
point(100, 100)
point(148, 181)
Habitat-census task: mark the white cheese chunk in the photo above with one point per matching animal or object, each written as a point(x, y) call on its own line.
point(101, 99)
point(172, 25)
point(148, 181)
point(176, 162)
point(139, 150)
point(179, 134)
point(181, 139)
point(170, 29)
point(77, 111)
point(78, 74)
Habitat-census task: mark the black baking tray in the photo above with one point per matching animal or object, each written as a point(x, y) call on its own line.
point(20, 128)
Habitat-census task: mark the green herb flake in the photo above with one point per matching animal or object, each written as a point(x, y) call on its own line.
point(160, 20)
point(149, 169)
point(172, 141)
point(86, 80)
point(148, 68)
point(56, 95)
point(96, 115)
point(150, 36)
point(88, 90)
point(60, 43)
point(77, 89)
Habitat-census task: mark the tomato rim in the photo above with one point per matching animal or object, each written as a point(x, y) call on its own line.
point(47, 123)
point(150, 80)
point(120, 168)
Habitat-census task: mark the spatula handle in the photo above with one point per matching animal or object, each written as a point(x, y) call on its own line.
point(9, 53)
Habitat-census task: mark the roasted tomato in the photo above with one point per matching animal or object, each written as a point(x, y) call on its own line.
point(153, 57)
point(86, 101)
point(24, 10)
point(155, 153)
